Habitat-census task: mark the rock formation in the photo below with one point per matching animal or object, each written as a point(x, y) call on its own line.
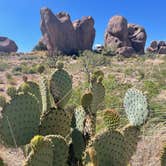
point(124, 38)
point(7, 45)
point(157, 47)
point(59, 33)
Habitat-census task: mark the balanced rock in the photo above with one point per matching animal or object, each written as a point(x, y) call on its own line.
point(157, 47)
point(7, 45)
point(59, 33)
point(125, 38)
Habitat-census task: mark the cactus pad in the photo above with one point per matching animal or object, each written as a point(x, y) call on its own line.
point(42, 155)
point(78, 144)
point(135, 104)
point(61, 87)
point(20, 120)
point(86, 100)
point(12, 91)
point(45, 95)
point(2, 101)
point(32, 87)
point(55, 122)
point(109, 149)
point(79, 115)
point(98, 92)
point(60, 150)
point(111, 119)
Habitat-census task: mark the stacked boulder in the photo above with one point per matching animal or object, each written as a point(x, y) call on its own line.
point(60, 33)
point(157, 47)
point(7, 45)
point(123, 38)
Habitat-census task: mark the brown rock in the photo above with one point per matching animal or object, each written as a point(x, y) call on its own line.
point(153, 47)
point(117, 27)
point(125, 51)
point(126, 38)
point(137, 36)
point(157, 47)
point(7, 45)
point(162, 50)
point(59, 33)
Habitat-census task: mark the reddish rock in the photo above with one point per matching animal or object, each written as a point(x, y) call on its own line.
point(137, 36)
point(127, 38)
point(7, 45)
point(125, 51)
point(157, 47)
point(162, 50)
point(59, 33)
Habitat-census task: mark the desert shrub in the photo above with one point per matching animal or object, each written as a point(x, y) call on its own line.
point(151, 88)
point(40, 47)
point(3, 66)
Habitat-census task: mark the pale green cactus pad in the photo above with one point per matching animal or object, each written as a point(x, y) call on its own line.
point(79, 115)
point(61, 87)
point(55, 122)
point(135, 105)
point(41, 153)
point(45, 95)
point(20, 120)
point(60, 150)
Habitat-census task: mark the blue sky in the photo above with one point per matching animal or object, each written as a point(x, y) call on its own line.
point(20, 19)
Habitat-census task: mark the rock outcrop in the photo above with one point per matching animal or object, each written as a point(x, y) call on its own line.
point(59, 33)
point(124, 38)
point(157, 47)
point(7, 45)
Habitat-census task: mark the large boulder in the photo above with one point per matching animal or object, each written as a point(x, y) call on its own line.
point(59, 33)
point(7, 45)
point(125, 38)
point(157, 47)
point(137, 37)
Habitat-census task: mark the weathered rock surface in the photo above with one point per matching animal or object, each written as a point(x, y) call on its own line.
point(125, 51)
point(126, 38)
point(137, 37)
point(7, 45)
point(59, 33)
point(157, 47)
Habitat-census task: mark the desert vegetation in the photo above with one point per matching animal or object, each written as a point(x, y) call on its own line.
point(90, 110)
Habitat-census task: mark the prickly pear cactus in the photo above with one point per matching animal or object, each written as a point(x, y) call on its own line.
point(61, 86)
point(111, 118)
point(98, 91)
point(78, 143)
point(163, 156)
point(12, 91)
point(86, 100)
point(135, 105)
point(55, 121)
point(33, 88)
point(45, 95)
point(20, 120)
point(108, 149)
point(132, 136)
point(79, 115)
point(2, 101)
point(60, 150)
point(41, 153)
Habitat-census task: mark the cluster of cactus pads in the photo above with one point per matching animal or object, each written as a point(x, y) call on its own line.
point(38, 119)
